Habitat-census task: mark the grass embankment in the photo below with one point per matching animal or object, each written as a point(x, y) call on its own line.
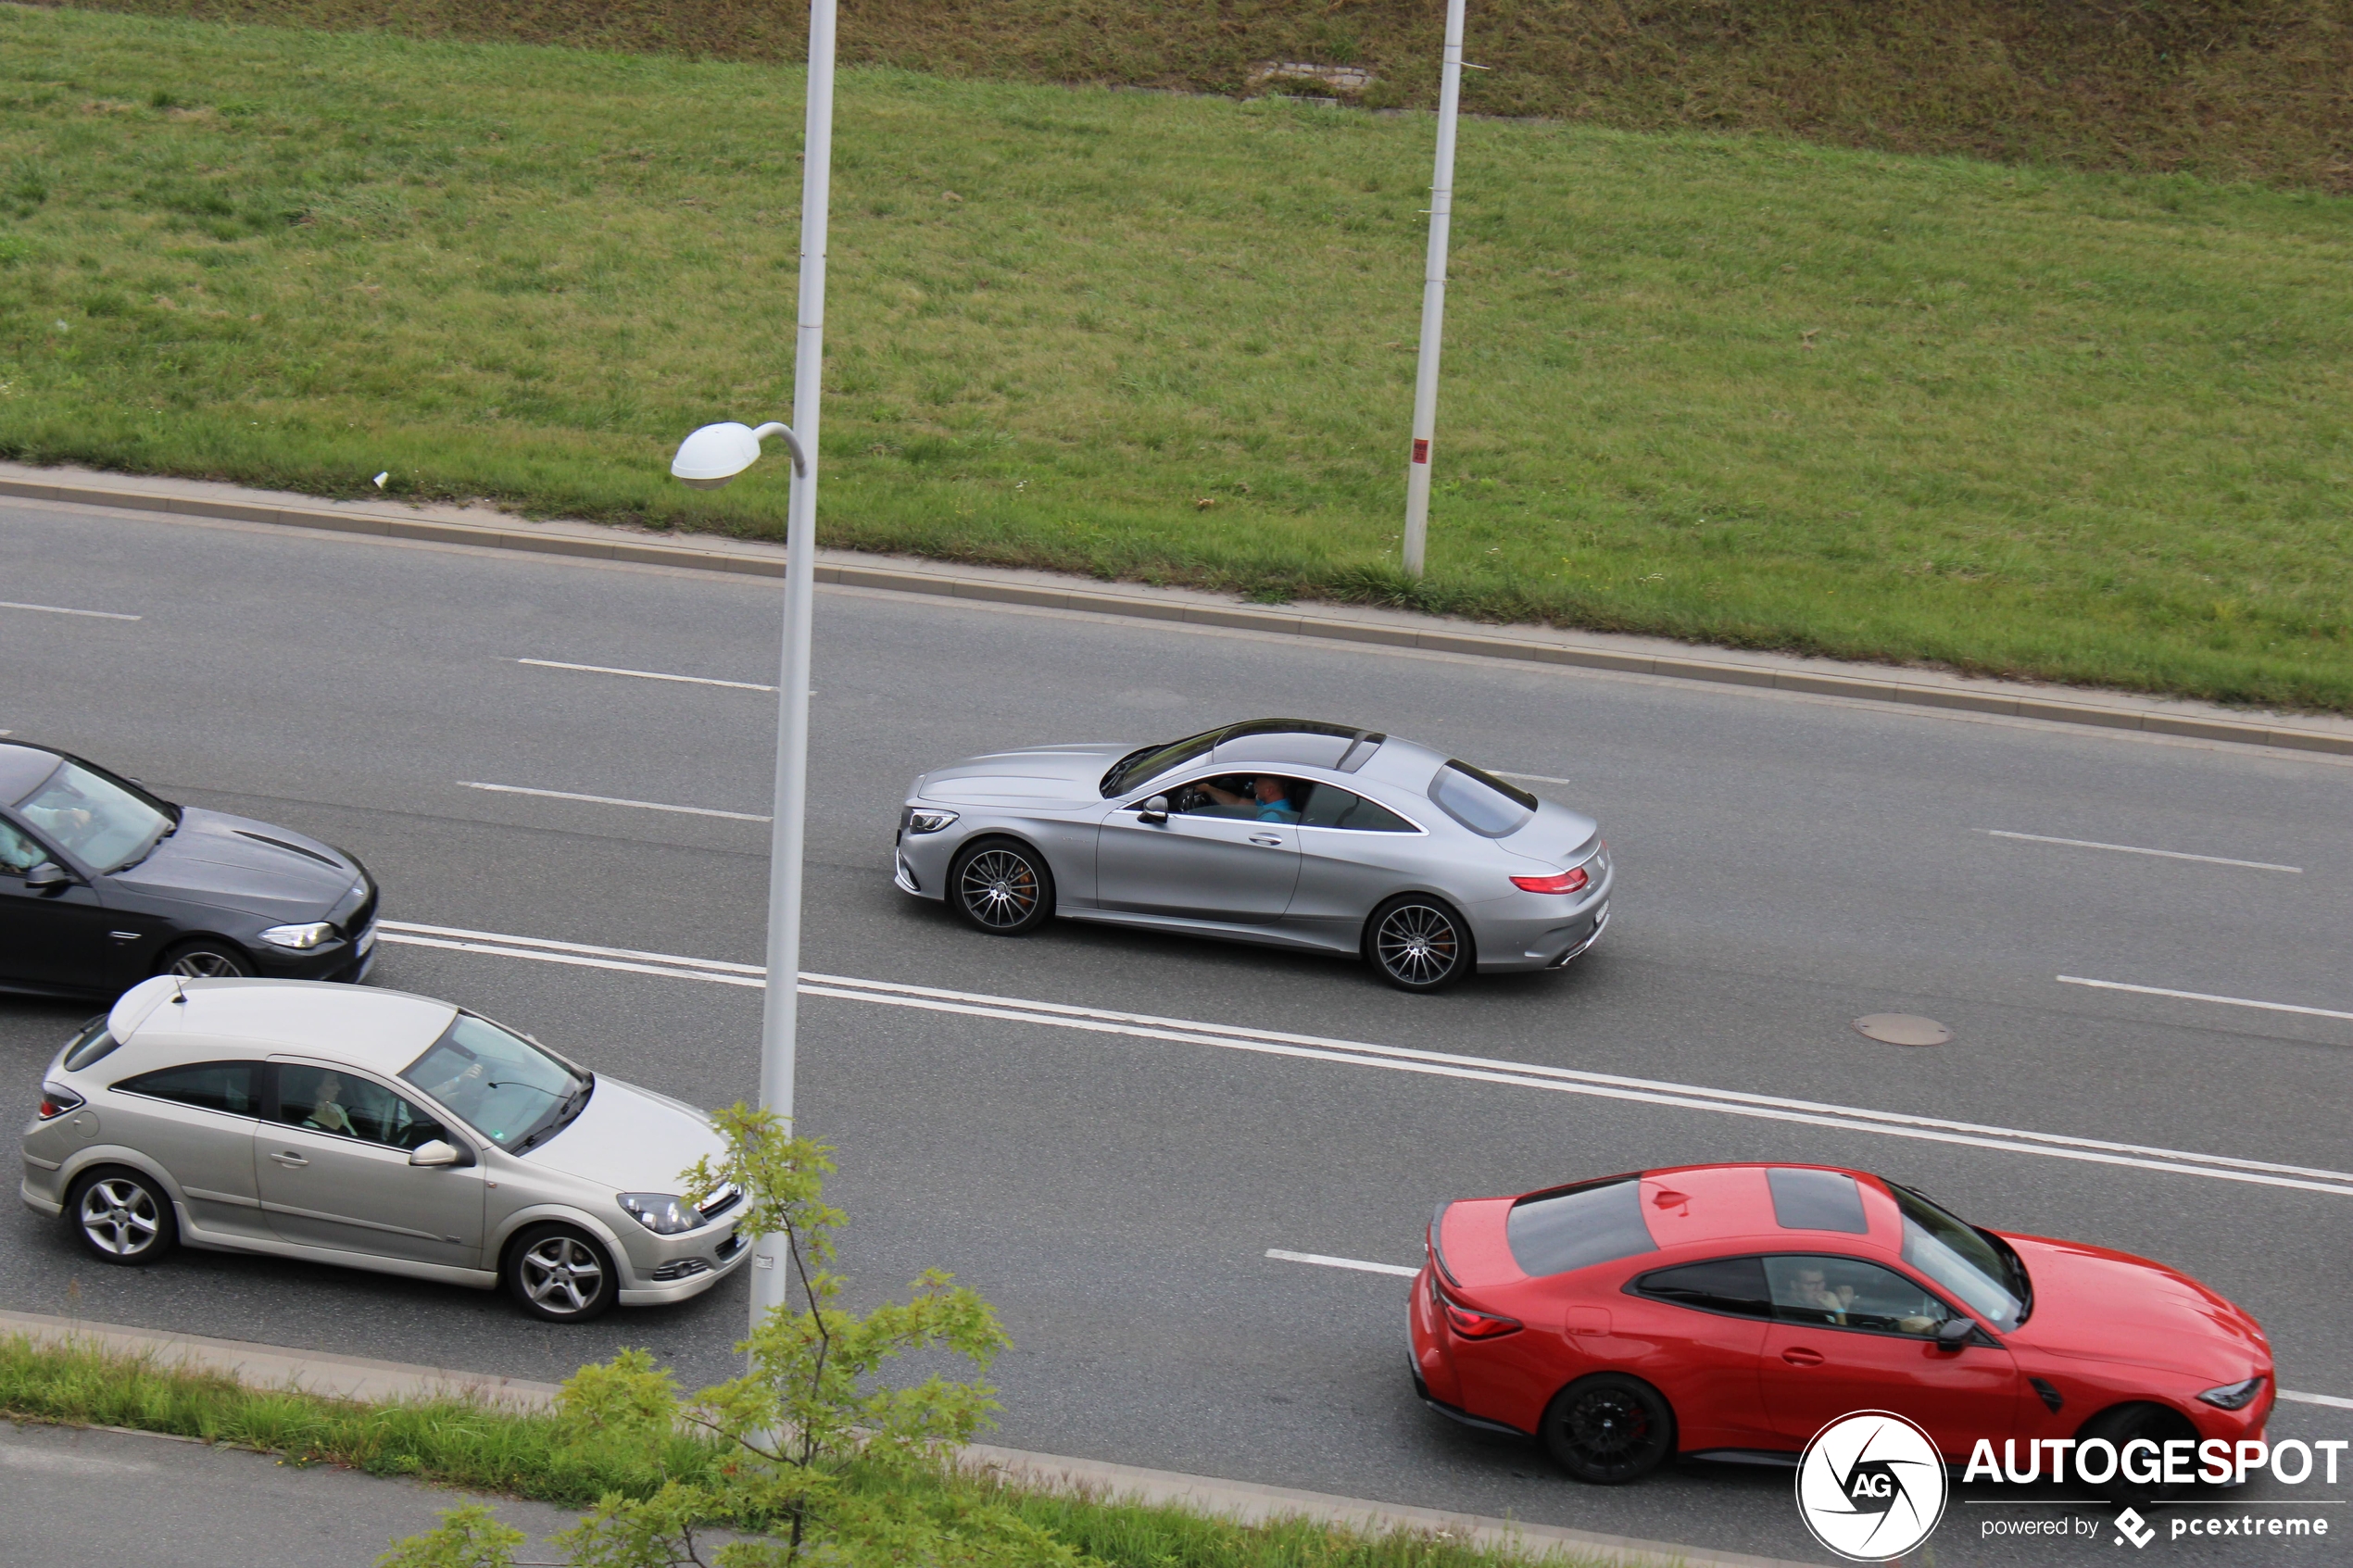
point(492, 1449)
point(2084, 427)
point(2246, 89)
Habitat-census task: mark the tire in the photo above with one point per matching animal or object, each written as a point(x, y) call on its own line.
point(1418, 943)
point(562, 1274)
point(207, 958)
point(122, 1216)
point(1609, 1429)
point(2122, 1425)
point(1001, 886)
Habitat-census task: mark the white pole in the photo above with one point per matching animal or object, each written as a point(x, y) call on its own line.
point(769, 1272)
point(1442, 208)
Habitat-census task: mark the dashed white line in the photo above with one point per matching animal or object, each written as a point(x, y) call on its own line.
point(1396, 1059)
point(2200, 997)
point(2137, 849)
point(647, 675)
point(614, 800)
point(60, 610)
point(1359, 1264)
point(2329, 1399)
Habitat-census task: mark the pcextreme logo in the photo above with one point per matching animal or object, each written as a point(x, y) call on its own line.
point(1870, 1487)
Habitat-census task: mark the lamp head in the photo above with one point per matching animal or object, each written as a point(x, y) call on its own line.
point(714, 454)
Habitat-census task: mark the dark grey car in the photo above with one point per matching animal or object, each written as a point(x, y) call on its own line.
point(1286, 831)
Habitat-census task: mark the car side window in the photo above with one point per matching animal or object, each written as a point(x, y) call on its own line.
point(324, 1100)
point(1251, 797)
point(232, 1086)
point(1735, 1285)
point(18, 853)
point(1834, 1292)
point(1331, 808)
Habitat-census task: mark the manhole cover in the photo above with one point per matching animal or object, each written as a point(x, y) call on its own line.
point(1901, 1029)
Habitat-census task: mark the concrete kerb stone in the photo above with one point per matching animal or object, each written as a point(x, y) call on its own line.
point(757, 558)
point(358, 1378)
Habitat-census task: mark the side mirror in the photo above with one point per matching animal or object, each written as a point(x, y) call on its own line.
point(1154, 810)
point(45, 875)
point(1954, 1332)
point(435, 1152)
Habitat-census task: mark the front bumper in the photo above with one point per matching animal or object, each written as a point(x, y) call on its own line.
point(695, 1263)
point(347, 961)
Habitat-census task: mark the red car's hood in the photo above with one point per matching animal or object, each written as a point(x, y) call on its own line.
point(2096, 1305)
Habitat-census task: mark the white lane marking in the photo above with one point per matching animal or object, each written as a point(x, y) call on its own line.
point(1358, 1263)
point(2329, 1399)
point(2199, 996)
point(647, 675)
point(1540, 778)
point(614, 800)
point(60, 610)
point(2137, 849)
point(1354, 1053)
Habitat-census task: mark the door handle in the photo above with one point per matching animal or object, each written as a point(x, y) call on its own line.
point(1268, 840)
point(1797, 1355)
point(289, 1158)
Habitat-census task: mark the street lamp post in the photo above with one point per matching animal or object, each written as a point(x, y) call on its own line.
point(1441, 210)
point(710, 457)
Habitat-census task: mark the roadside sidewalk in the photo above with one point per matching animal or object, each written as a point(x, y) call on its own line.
point(485, 528)
point(355, 1377)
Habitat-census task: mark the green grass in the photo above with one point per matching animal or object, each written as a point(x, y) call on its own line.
point(491, 1450)
point(2076, 426)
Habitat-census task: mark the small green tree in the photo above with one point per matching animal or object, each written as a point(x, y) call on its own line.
point(811, 1406)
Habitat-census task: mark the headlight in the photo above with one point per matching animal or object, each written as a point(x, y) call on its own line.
point(920, 819)
point(2233, 1396)
point(660, 1212)
point(301, 938)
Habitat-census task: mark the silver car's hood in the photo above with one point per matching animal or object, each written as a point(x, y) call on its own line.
point(631, 1140)
point(1041, 775)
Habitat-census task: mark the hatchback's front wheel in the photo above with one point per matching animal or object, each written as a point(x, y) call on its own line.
point(558, 1274)
point(1418, 944)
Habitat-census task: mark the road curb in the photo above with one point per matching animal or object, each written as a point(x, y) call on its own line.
point(355, 1377)
point(747, 558)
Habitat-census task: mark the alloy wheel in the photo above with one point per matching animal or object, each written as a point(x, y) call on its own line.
point(120, 1217)
point(1606, 1428)
point(562, 1275)
point(999, 888)
point(204, 963)
point(1417, 944)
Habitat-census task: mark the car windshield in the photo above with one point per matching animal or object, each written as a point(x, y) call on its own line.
point(94, 819)
point(1481, 801)
point(500, 1084)
point(1960, 1257)
point(1154, 761)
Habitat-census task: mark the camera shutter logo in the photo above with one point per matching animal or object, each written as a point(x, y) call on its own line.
point(1870, 1487)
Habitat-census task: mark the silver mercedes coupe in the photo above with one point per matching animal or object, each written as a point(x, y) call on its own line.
point(1286, 831)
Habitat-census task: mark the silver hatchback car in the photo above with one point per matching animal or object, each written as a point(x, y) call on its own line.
point(375, 1130)
point(1287, 831)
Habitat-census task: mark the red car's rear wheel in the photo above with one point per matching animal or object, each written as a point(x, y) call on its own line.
point(1609, 1428)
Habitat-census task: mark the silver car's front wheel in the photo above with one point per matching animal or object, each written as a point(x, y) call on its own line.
point(1001, 887)
point(1417, 944)
point(122, 1217)
point(559, 1275)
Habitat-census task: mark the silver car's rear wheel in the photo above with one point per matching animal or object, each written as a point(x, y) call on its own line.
point(1001, 887)
point(122, 1217)
point(1417, 944)
point(559, 1275)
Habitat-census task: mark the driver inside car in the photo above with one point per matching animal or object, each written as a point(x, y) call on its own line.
point(1268, 800)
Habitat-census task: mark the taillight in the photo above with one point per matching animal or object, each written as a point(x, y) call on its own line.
point(57, 1102)
point(1570, 881)
point(1472, 1324)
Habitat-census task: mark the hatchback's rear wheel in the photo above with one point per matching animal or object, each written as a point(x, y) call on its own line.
point(1418, 944)
point(1609, 1428)
point(1001, 887)
point(122, 1216)
point(558, 1274)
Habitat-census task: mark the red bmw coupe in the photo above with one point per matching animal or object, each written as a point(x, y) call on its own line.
point(1731, 1311)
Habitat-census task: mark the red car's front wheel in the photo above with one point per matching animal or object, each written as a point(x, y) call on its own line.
point(1609, 1428)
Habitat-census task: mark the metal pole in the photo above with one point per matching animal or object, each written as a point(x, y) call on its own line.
point(780, 1017)
point(1442, 208)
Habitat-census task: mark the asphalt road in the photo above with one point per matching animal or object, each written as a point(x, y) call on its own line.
point(1786, 865)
